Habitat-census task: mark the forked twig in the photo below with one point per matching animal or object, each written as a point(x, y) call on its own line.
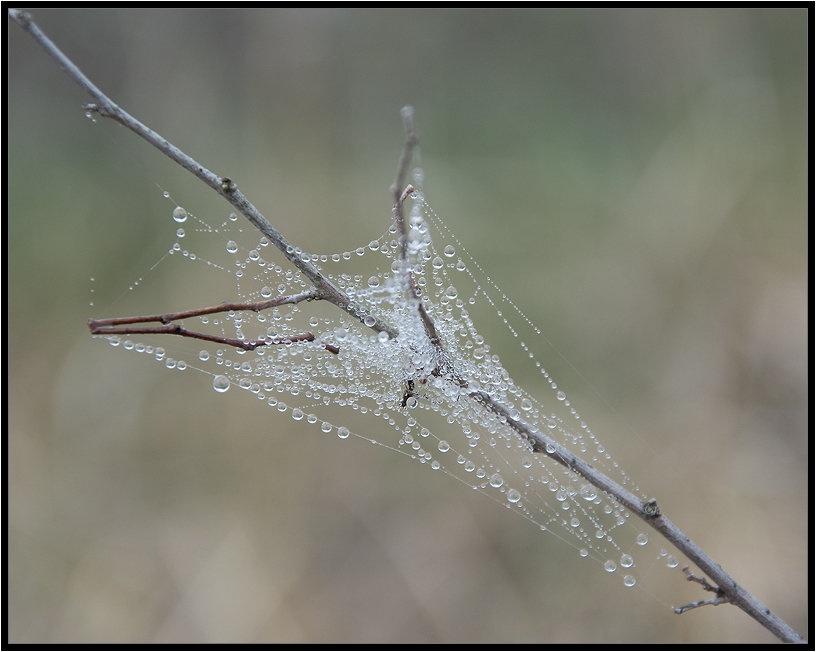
point(324, 289)
point(124, 325)
point(720, 598)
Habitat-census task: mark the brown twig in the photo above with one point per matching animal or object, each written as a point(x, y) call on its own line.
point(123, 325)
point(167, 317)
point(178, 329)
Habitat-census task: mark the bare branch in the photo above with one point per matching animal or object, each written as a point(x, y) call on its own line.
point(224, 186)
point(178, 329)
point(411, 141)
point(167, 317)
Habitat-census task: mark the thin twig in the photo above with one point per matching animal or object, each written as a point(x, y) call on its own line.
point(178, 329)
point(324, 289)
point(105, 107)
point(167, 317)
point(123, 325)
point(411, 141)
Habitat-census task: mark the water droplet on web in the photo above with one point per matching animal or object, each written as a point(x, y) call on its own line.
point(443, 446)
point(513, 496)
point(179, 232)
point(179, 214)
point(610, 566)
point(588, 492)
point(373, 281)
point(583, 552)
point(232, 246)
point(449, 251)
point(203, 355)
point(496, 481)
point(560, 395)
point(642, 539)
point(626, 560)
point(326, 426)
point(629, 580)
point(221, 383)
point(671, 561)
point(526, 404)
point(297, 414)
point(383, 337)
point(266, 291)
point(343, 432)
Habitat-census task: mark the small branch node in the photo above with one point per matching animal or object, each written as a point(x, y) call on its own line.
point(228, 185)
point(651, 509)
point(691, 577)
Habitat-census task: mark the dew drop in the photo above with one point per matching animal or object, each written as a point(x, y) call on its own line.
point(326, 426)
point(526, 404)
point(449, 251)
point(671, 561)
point(443, 446)
point(343, 432)
point(373, 281)
point(383, 337)
point(297, 414)
point(642, 539)
point(560, 395)
point(266, 291)
point(583, 552)
point(626, 560)
point(180, 232)
point(451, 292)
point(513, 496)
point(179, 214)
point(629, 580)
point(496, 481)
point(610, 566)
point(588, 492)
point(232, 246)
point(221, 384)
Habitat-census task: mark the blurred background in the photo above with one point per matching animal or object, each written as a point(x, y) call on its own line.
point(635, 179)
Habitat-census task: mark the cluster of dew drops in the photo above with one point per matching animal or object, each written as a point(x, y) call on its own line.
point(405, 381)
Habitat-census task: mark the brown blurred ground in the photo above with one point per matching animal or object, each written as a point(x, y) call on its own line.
point(635, 179)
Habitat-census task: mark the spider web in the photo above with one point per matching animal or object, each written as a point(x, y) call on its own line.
point(414, 394)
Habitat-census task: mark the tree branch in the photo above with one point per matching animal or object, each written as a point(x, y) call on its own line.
point(324, 289)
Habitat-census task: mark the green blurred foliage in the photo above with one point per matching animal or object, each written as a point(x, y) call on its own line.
point(636, 180)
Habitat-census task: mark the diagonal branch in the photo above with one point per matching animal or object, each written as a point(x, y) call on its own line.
point(324, 289)
point(105, 107)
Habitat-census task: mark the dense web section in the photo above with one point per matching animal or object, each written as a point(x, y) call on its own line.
point(418, 391)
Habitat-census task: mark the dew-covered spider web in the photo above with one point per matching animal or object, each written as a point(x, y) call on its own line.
point(417, 395)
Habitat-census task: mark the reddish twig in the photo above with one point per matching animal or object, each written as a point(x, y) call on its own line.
point(168, 317)
point(178, 329)
point(122, 325)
